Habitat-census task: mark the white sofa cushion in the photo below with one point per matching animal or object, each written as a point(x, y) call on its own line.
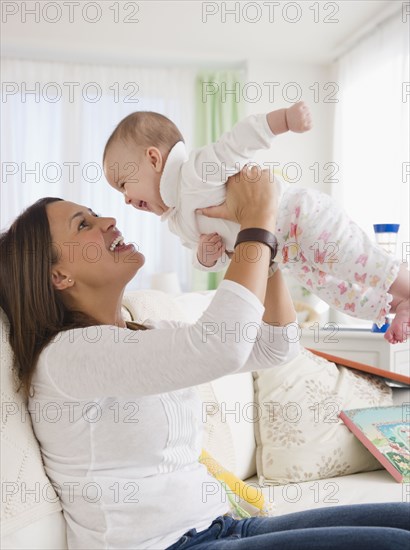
point(152, 304)
point(299, 435)
point(227, 406)
point(46, 533)
point(26, 492)
point(366, 487)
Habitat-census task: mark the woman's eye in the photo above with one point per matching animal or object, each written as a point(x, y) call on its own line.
point(83, 222)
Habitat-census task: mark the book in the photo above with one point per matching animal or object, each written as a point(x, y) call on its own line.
point(385, 432)
point(401, 379)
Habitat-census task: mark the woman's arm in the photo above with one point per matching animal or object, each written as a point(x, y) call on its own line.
point(279, 308)
point(107, 360)
point(251, 202)
point(275, 344)
point(278, 340)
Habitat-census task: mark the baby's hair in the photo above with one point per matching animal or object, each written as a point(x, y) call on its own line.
point(146, 129)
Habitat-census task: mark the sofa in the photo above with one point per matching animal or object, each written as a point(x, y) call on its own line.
point(233, 435)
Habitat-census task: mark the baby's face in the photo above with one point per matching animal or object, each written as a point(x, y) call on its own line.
point(136, 175)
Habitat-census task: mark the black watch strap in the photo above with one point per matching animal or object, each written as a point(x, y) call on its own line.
point(259, 235)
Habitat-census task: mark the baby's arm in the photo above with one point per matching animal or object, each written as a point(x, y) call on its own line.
point(214, 163)
point(297, 119)
point(211, 165)
point(201, 255)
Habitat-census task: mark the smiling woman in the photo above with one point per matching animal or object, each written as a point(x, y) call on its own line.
point(64, 260)
point(75, 272)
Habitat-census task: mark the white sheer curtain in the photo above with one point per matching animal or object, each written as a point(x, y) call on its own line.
point(53, 139)
point(372, 130)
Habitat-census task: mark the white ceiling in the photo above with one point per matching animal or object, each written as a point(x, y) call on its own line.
point(177, 31)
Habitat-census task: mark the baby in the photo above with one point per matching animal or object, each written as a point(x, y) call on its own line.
point(146, 160)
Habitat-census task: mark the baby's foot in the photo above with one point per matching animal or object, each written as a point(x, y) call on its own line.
point(400, 326)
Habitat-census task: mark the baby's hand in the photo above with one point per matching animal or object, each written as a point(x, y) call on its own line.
point(298, 117)
point(210, 248)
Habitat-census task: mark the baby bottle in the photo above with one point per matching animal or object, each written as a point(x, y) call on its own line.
point(386, 238)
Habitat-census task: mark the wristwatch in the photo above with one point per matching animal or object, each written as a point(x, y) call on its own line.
point(259, 235)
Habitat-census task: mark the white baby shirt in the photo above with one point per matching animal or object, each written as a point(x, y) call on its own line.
point(198, 180)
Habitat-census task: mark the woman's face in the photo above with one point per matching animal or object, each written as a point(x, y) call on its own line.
point(86, 247)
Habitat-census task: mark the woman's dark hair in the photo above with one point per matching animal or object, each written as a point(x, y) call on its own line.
point(34, 308)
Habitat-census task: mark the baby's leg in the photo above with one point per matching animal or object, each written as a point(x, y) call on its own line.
point(400, 305)
point(337, 261)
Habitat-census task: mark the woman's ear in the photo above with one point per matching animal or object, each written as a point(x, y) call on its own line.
point(60, 280)
point(154, 156)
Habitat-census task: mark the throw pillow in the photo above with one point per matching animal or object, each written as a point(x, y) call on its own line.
point(298, 433)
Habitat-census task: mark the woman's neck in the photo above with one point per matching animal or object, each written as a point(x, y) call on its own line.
point(104, 308)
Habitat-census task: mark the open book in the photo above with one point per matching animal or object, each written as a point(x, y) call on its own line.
point(385, 432)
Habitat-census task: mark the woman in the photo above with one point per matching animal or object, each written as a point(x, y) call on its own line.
point(123, 449)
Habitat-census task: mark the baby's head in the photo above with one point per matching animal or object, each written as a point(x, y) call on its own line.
point(135, 155)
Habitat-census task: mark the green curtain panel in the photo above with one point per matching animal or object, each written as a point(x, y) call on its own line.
point(218, 106)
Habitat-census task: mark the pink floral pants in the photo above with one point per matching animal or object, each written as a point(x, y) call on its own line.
point(332, 256)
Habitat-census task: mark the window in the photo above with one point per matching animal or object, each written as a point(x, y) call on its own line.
point(56, 120)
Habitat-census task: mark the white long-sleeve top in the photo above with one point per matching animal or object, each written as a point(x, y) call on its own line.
point(198, 180)
point(119, 421)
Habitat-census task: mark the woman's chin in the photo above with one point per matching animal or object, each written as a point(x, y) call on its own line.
point(137, 260)
point(129, 254)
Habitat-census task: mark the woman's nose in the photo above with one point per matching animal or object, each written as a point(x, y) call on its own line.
point(108, 223)
point(127, 199)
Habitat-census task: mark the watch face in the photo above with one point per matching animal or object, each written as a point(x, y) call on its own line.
point(274, 249)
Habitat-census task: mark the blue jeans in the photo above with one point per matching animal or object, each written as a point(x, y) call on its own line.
point(384, 526)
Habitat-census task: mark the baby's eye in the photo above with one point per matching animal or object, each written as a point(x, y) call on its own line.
point(121, 185)
point(82, 224)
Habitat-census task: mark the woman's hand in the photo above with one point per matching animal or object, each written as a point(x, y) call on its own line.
point(251, 200)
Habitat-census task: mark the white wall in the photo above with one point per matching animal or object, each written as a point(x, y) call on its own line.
point(301, 150)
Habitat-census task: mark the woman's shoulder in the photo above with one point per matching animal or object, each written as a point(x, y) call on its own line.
point(73, 338)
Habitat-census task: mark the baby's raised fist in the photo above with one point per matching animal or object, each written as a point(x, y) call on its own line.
point(298, 117)
point(210, 249)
